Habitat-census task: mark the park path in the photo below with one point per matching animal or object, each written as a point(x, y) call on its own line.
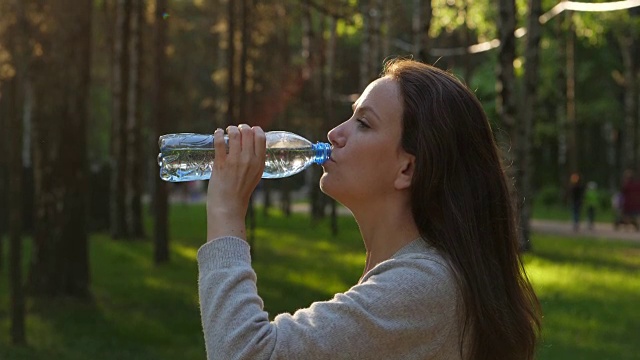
point(600, 230)
point(553, 227)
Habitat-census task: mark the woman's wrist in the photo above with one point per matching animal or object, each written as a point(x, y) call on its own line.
point(222, 223)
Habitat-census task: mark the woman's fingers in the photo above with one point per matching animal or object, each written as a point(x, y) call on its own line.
point(235, 141)
point(219, 146)
point(245, 147)
point(260, 142)
point(246, 136)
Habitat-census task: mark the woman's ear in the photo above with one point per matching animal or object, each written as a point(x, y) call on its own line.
point(405, 175)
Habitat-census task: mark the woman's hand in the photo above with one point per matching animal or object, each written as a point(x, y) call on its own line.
point(233, 178)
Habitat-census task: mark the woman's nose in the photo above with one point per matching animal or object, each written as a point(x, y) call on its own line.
point(336, 136)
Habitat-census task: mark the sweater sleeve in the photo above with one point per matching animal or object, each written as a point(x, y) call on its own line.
point(403, 308)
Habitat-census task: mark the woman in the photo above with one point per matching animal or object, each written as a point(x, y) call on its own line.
point(418, 167)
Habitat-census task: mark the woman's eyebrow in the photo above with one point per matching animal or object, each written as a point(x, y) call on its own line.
point(366, 108)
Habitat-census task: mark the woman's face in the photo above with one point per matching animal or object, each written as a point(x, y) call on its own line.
point(367, 157)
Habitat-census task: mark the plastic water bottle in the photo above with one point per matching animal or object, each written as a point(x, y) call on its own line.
point(188, 157)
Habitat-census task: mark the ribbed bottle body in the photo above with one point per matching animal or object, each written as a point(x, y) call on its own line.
point(189, 157)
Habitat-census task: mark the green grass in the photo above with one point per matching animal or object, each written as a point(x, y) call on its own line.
point(141, 311)
point(589, 292)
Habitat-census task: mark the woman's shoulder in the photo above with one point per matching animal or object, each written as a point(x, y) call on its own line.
point(416, 264)
point(421, 252)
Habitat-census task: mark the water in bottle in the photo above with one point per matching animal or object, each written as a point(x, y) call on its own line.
point(187, 157)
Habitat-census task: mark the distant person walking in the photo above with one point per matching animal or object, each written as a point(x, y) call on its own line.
point(591, 202)
point(630, 198)
point(616, 207)
point(576, 191)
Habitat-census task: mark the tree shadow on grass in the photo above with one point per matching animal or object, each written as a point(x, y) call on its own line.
point(579, 326)
point(593, 253)
point(138, 311)
point(104, 329)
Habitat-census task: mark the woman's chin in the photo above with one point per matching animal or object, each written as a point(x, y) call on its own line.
point(327, 186)
point(323, 183)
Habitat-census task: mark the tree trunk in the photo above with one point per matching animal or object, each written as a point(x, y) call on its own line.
point(466, 34)
point(629, 137)
point(420, 25)
point(376, 40)
point(506, 104)
point(525, 168)
point(17, 309)
point(266, 198)
point(4, 173)
point(60, 263)
point(244, 103)
point(16, 91)
point(284, 185)
point(119, 116)
point(244, 60)
point(134, 155)
point(506, 77)
point(161, 221)
point(308, 54)
point(611, 136)
point(426, 27)
point(386, 25)
point(561, 96)
point(4, 168)
point(572, 125)
point(365, 45)
point(231, 53)
point(416, 28)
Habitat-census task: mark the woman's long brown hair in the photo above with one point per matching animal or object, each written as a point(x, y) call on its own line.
point(461, 204)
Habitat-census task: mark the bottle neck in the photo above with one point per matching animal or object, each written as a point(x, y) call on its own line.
point(322, 152)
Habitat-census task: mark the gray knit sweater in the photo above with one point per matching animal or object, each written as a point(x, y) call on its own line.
point(404, 308)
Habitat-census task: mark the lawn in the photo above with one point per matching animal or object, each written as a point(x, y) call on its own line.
point(589, 292)
point(564, 213)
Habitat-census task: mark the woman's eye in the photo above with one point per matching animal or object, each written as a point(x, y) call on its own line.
point(362, 123)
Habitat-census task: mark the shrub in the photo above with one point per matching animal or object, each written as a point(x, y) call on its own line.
point(549, 195)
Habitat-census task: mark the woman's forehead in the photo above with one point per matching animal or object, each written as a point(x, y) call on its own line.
point(384, 88)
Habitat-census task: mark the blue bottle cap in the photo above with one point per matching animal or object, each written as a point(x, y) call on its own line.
point(322, 152)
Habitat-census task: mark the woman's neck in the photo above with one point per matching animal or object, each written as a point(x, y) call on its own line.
point(385, 230)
